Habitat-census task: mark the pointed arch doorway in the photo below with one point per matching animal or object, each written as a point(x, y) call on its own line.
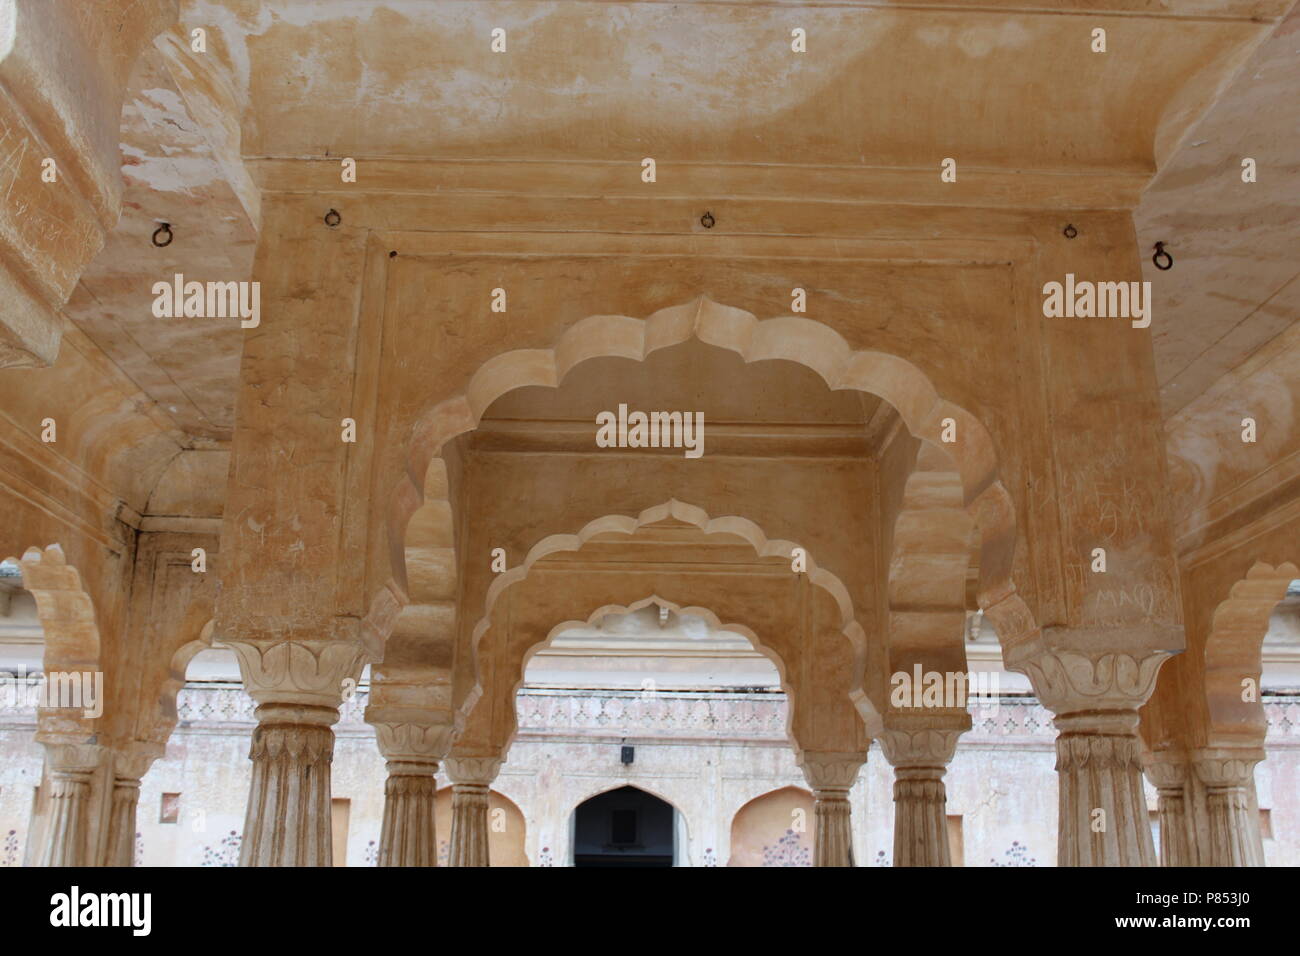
point(626, 827)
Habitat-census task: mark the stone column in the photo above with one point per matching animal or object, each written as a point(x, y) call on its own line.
point(1229, 778)
point(128, 770)
point(1169, 774)
point(1095, 696)
point(298, 686)
point(70, 772)
point(919, 747)
point(121, 822)
point(471, 778)
point(831, 776)
point(408, 836)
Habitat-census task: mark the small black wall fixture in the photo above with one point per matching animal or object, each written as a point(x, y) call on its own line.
point(707, 220)
point(162, 236)
point(629, 754)
point(1069, 231)
point(1162, 256)
point(332, 218)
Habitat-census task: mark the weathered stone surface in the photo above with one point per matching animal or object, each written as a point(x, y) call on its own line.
point(460, 268)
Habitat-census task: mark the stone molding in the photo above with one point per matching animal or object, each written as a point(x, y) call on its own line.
point(1224, 767)
point(1167, 770)
point(310, 673)
point(410, 746)
point(277, 739)
point(132, 763)
point(914, 741)
point(1075, 681)
point(831, 774)
point(473, 771)
point(73, 758)
point(1097, 752)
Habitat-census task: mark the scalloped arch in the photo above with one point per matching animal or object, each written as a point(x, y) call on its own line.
point(703, 612)
point(72, 641)
point(165, 714)
point(791, 338)
point(728, 524)
point(736, 525)
point(64, 608)
point(1234, 652)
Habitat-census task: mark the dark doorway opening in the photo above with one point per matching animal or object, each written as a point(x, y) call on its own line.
point(623, 827)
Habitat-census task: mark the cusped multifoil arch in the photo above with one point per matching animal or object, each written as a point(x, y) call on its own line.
point(71, 633)
point(1234, 652)
point(162, 718)
point(474, 710)
point(736, 525)
point(64, 608)
point(791, 338)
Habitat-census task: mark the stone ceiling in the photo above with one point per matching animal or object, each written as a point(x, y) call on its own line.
point(711, 84)
point(1236, 245)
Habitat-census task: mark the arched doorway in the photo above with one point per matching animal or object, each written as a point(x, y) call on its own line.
point(625, 827)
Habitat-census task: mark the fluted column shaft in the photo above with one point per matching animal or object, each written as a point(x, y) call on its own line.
point(121, 822)
point(1103, 810)
point(72, 835)
point(831, 776)
point(414, 741)
point(1168, 772)
point(408, 836)
point(920, 746)
point(834, 828)
point(1095, 694)
point(1172, 815)
point(65, 835)
point(129, 768)
point(469, 825)
point(1229, 779)
point(471, 780)
point(920, 817)
point(288, 822)
point(298, 686)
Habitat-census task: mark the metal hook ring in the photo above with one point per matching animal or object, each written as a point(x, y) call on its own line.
point(1069, 231)
point(332, 218)
point(707, 220)
point(1162, 254)
point(164, 230)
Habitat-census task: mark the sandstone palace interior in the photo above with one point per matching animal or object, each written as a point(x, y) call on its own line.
point(626, 433)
